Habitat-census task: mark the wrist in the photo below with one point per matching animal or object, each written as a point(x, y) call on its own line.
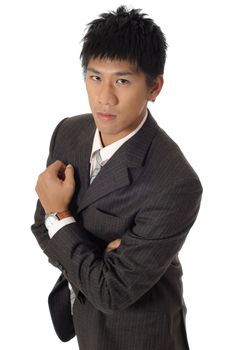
point(52, 218)
point(63, 214)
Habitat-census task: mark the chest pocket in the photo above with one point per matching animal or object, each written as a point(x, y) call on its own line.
point(104, 225)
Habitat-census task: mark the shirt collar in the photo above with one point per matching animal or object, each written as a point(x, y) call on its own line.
point(108, 151)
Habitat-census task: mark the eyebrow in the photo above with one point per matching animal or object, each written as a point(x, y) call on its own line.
point(123, 73)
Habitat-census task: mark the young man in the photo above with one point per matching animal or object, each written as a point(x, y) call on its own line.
point(118, 199)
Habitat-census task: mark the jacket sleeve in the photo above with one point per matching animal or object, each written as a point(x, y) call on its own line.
point(38, 228)
point(113, 281)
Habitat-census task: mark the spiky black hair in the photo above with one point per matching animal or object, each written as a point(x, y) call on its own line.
point(126, 35)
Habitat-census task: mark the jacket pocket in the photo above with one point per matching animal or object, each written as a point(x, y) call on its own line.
point(105, 225)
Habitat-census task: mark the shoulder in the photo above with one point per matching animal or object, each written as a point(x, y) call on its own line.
point(168, 162)
point(70, 128)
point(77, 124)
point(82, 119)
point(70, 133)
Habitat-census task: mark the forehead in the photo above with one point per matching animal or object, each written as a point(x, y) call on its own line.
point(109, 66)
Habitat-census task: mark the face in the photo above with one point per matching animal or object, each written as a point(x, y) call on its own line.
point(118, 97)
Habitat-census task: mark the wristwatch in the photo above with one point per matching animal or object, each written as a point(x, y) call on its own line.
point(52, 218)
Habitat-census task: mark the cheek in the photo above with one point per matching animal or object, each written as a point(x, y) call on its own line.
point(137, 103)
point(90, 92)
point(136, 97)
point(91, 99)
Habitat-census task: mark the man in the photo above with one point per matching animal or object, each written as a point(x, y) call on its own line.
point(118, 199)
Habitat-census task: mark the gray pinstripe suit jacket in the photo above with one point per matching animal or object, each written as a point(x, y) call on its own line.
point(148, 195)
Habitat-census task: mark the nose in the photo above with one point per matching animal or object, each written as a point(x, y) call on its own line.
point(107, 95)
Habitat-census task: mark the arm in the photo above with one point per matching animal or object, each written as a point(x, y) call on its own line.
point(116, 279)
point(38, 228)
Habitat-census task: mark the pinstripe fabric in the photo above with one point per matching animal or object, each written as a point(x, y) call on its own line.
point(148, 195)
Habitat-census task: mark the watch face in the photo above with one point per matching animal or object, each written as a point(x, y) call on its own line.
point(50, 219)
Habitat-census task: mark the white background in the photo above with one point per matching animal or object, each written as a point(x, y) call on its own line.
point(41, 83)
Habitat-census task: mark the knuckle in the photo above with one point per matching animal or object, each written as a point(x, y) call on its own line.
point(41, 177)
point(36, 188)
point(57, 163)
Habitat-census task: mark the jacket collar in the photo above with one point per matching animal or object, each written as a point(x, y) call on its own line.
point(116, 172)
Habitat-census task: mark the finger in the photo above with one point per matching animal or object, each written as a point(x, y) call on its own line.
point(69, 173)
point(113, 245)
point(57, 168)
point(116, 242)
point(57, 165)
point(108, 249)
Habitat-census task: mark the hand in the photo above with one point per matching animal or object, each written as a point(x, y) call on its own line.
point(113, 245)
point(55, 187)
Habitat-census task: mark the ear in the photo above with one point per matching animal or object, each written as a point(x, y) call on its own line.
point(154, 91)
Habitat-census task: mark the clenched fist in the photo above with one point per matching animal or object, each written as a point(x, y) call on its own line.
point(55, 187)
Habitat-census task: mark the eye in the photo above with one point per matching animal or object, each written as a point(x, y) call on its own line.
point(95, 77)
point(123, 82)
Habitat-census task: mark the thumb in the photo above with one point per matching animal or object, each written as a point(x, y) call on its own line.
point(69, 173)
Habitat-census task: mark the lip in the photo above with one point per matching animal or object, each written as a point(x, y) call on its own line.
point(105, 116)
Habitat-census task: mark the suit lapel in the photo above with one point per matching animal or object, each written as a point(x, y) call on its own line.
point(111, 177)
point(115, 173)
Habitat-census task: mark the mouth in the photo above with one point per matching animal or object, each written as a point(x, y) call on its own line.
point(105, 116)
